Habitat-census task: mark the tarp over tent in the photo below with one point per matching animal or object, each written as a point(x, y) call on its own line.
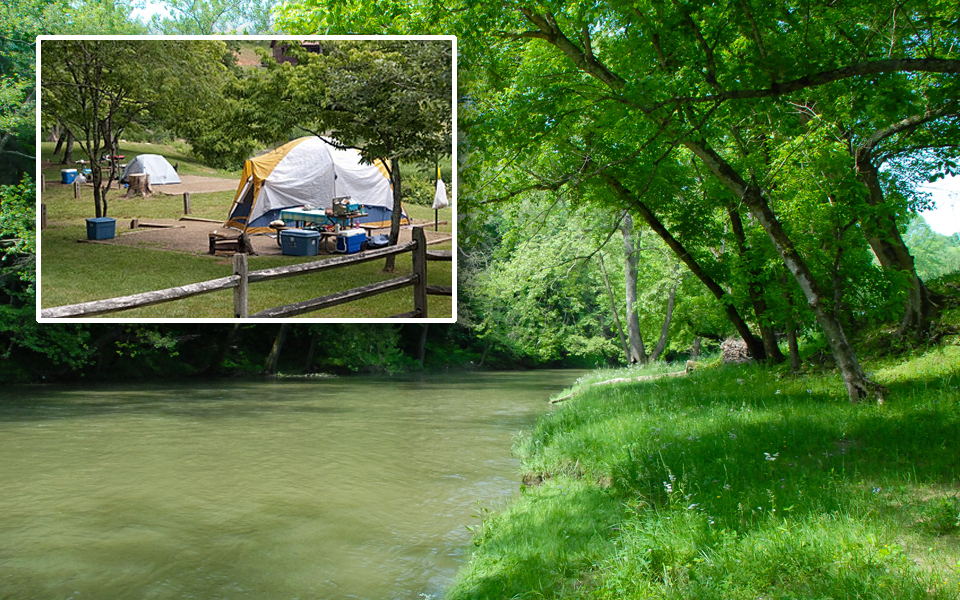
point(307, 172)
point(154, 165)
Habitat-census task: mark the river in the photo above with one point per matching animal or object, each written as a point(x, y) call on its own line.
point(297, 489)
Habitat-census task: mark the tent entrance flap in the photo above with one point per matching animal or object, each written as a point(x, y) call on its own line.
point(240, 212)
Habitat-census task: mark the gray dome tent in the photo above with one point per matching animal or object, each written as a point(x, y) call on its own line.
point(154, 165)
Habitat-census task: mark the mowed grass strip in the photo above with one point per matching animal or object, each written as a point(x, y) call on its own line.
point(736, 483)
point(74, 272)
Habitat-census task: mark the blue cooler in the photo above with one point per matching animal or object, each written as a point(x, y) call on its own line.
point(101, 228)
point(351, 240)
point(299, 242)
point(68, 176)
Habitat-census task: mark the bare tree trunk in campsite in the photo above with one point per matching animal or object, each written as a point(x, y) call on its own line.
point(637, 353)
point(671, 301)
point(270, 368)
point(613, 309)
point(68, 151)
point(397, 210)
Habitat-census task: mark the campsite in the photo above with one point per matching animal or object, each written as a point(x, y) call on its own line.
point(152, 183)
point(170, 251)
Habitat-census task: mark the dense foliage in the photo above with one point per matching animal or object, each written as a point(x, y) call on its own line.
point(560, 134)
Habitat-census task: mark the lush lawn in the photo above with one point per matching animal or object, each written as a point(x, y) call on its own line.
point(737, 483)
point(74, 272)
point(174, 153)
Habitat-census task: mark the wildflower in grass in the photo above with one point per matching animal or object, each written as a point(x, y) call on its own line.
point(778, 392)
point(668, 487)
point(771, 457)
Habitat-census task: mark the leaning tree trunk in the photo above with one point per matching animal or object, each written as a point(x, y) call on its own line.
point(756, 297)
point(270, 367)
point(885, 240)
point(859, 386)
point(638, 353)
point(671, 300)
point(755, 345)
point(613, 309)
point(880, 228)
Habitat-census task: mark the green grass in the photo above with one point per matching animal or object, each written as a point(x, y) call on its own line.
point(74, 272)
point(737, 483)
point(177, 152)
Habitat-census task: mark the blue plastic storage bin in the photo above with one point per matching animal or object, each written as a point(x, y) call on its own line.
point(68, 175)
point(101, 228)
point(299, 242)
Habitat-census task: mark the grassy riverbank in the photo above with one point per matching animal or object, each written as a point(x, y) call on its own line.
point(736, 483)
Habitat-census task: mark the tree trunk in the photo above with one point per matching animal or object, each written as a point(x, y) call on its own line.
point(422, 347)
point(270, 368)
point(885, 240)
point(397, 211)
point(791, 327)
point(695, 350)
point(217, 363)
point(638, 353)
point(99, 201)
point(880, 227)
point(756, 296)
point(311, 353)
point(613, 309)
point(486, 348)
point(859, 387)
point(671, 299)
point(753, 343)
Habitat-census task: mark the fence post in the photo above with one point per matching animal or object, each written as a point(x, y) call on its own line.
point(420, 270)
point(186, 203)
point(240, 292)
point(43, 216)
point(76, 189)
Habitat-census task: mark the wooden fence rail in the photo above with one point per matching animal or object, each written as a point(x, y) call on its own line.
point(242, 278)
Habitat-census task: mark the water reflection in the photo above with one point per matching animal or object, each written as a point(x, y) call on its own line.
point(340, 488)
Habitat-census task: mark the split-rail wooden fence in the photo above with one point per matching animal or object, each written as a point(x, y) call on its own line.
point(242, 278)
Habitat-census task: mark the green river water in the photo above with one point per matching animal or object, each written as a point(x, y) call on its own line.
point(290, 488)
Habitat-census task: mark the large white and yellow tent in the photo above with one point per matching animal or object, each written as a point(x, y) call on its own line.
point(311, 172)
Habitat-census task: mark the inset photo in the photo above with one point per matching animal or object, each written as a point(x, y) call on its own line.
point(218, 179)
